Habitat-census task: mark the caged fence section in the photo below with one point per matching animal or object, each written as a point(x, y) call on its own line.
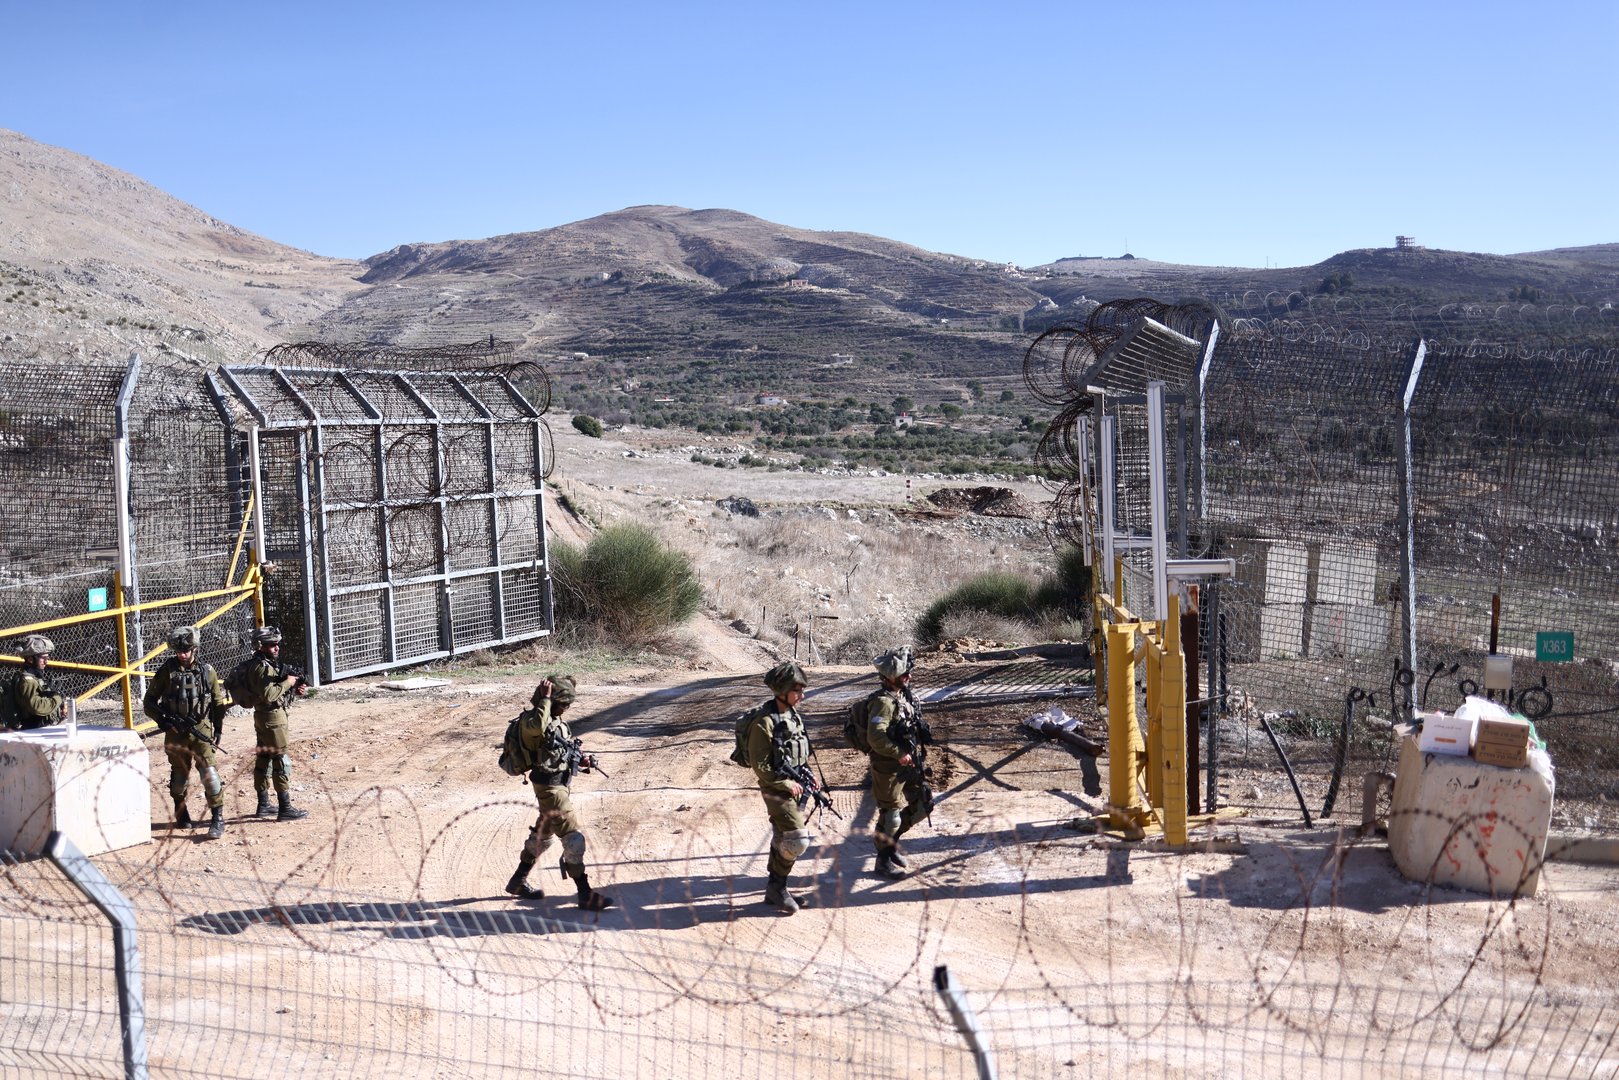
point(401, 512)
point(1397, 508)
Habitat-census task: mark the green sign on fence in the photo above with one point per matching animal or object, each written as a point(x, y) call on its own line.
point(98, 600)
point(1554, 645)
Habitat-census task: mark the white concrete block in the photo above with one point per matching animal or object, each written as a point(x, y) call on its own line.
point(1473, 826)
point(95, 786)
point(1271, 571)
point(1350, 630)
point(1343, 573)
point(1266, 632)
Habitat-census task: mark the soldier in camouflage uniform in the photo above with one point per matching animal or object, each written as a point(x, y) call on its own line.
point(776, 739)
point(550, 743)
point(186, 690)
point(274, 689)
point(899, 739)
point(37, 701)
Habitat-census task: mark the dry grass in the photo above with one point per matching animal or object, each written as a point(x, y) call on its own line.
point(876, 573)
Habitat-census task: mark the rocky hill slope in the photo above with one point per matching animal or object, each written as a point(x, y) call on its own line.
point(115, 262)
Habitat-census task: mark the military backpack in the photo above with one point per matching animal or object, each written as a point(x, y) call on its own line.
point(239, 683)
point(739, 753)
point(11, 717)
point(857, 725)
point(515, 759)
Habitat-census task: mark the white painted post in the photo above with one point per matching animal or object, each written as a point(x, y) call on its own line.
point(1159, 507)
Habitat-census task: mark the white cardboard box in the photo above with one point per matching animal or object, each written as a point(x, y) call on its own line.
point(1446, 733)
point(95, 786)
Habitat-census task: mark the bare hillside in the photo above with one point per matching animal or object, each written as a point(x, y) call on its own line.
point(93, 243)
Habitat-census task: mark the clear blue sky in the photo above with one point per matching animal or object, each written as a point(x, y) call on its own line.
point(1217, 134)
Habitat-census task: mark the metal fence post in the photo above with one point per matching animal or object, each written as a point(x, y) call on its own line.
point(966, 1023)
point(129, 585)
point(126, 953)
point(1406, 525)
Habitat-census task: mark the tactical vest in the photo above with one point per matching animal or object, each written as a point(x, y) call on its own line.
point(551, 759)
point(788, 747)
point(188, 692)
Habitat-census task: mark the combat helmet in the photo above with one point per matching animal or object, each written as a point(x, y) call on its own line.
point(563, 691)
point(267, 635)
point(36, 645)
point(183, 638)
point(895, 663)
point(784, 676)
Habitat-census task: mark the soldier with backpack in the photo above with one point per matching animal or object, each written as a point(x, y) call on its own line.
point(539, 742)
point(266, 685)
point(32, 699)
point(897, 738)
point(183, 695)
point(771, 740)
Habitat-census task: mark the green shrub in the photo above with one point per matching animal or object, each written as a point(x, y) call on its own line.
point(1049, 608)
point(998, 592)
point(626, 582)
point(588, 425)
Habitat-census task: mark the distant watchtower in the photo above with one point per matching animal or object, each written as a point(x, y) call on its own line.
point(1406, 243)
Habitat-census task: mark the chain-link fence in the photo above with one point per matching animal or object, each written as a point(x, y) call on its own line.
point(1378, 494)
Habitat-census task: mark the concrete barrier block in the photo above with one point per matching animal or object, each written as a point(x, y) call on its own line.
point(95, 786)
point(1264, 632)
point(1471, 825)
point(1271, 571)
point(1349, 630)
point(1343, 573)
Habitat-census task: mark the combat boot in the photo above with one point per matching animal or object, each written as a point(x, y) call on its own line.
point(897, 859)
point(288, 812)
point(519, 887)
point(776, 893)
point(216, 827)
point(182, 816)
point(590, 899)
point(264, 808)
point(886, 866)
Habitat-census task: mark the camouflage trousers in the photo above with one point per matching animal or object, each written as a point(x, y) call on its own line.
point(272, 763)
point(186, 752)
point(557, 819)
point(788, 825)
point(899, 798)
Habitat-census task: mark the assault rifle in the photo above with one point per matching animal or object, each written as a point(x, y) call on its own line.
point(574, 756)
point(802, 775)
point(914, 739)
point(186, 725)
point(283, 670)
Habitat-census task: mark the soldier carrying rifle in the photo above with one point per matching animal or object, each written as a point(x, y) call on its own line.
point(270, 686)
point(556, 758)
point(182, 696)
point(899, 738)
point(771, 740)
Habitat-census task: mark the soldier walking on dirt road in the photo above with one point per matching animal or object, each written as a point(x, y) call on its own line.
point(557, 755)
point(184, 695)
point(899, 738)
point(777, 749)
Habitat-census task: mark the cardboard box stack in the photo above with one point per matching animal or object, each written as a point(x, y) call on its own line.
point(1503, 742)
